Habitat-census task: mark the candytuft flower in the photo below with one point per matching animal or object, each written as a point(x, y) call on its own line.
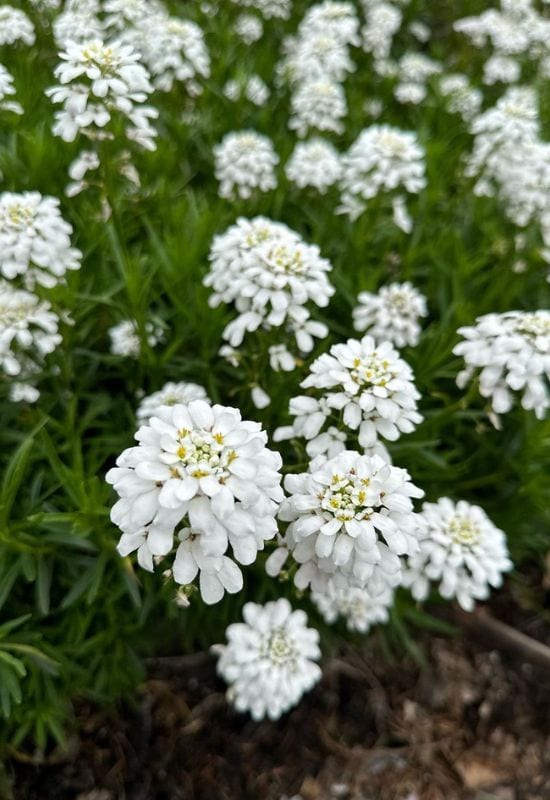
point(392, 314)
point(315, 163)
point(461, 549)
point(7, 90)
point(35, 240)
point(351, 521)
point(245, 162)
point(15, 27)
point(269, 660)
point(359, 609)
point(125, 339)
point(512, 353)
point(203, 478)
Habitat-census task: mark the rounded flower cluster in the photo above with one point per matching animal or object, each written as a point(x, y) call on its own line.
point(245, 162)
point(356, 606)
point(171, 394)
point(382, 159)
point(269, 660)
point(391, 315)
point(383, 20)
point(28, 330)
point(15, 26)
point(269, 8)
point(270, 274)
point(35, 240)
point(461, 549)
point(511, 351)
point(99, 81)
point(461, 97)
point(315, 163)
point(172, 49)
point(319, 103)
point(249, 28)
point(351, 521)
point(368, 383)
point(203, 476)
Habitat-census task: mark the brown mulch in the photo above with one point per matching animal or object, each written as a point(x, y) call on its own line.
point(473, 725)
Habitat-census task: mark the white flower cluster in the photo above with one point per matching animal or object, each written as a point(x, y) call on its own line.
point(359, 609)
point(516, 30)
point(510, 160)
point(15, 27)
point(270, 274)
point(269, 660)
point(78, 22)
point(172, 49)
point(7, 91)
point(315, 163)
point(413, 73)
point(316, 62)
point(100, 83)
point(511, 351)
point(383, 21)
point(367, 383)
point(203, 475)
point(249, 28)
point(351, 521)
point(461, 549)
point(29, 330)
point(501, 69)
point(126, 341)
point(245, 162)
point(35, 240)
point(171, 394)
point(382, 159)
point(392, 314)
point(461, 97)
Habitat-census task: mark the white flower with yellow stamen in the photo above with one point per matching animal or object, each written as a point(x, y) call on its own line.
point(269, 660)
point(200, 472)
point(351, 522)
point(461, 550)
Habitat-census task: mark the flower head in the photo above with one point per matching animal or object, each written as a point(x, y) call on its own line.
point(269, 660)
point(359, 609)
point(351, 521)
point(15, 26)
point(171, 394)
point(203, 475)
point(391, 315)
point(510, 353)
point(35, 240)
point(315, 163)
point(125, 339)
point(245, 162)
point(461, 549)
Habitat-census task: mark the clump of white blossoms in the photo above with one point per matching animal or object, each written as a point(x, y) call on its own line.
point(253, 88)
point(382, 159)
point(509, 353)
point(392, 314)
point(461, 97)
point(249, 28)
point(35, 240)
point(7, 92)
point(203, 477)
point(315, 163)
point(171, 394)
point(315, 55)
point(245, 162)
point(125, 14)
point(100, 83)
point(368, 384)
point(461, 549)
point(501, 69)
point(383, 21)
point(15, 27)
point(29, 330)
point(172, 49)
point(359, 609)
point(351, 522)
point(77, 23)
point(269, 659)
point(320, 104)
point(126, 341)
point(336, 18)
point(86, 161)
point(270, 274)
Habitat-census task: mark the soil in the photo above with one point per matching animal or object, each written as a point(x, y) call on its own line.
point(472, 725)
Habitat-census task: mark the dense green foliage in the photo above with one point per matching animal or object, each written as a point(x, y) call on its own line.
point(75, 617)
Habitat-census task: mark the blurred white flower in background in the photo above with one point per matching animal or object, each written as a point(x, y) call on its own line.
point(15, 27)
point(245, 162)
point(315, 163)
point(358, 608)
point(7, 91)
point(392, 314)
point(126, 341)
point(171, 394)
